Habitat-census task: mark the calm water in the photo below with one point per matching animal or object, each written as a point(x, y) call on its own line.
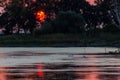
point(58, 64)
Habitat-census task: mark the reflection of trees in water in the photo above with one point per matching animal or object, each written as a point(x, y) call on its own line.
point(60, 75)
point(64, 75)
point(33, 73)
point(98, 73)
point(109, 77)
point(58, 72)
point(110, 74)
point(22, 73)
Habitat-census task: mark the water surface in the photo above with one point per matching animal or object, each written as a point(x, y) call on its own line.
point(59, 64)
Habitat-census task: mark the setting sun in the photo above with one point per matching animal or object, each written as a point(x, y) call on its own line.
point(40, 15)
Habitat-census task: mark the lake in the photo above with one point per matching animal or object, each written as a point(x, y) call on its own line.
point(47, 63)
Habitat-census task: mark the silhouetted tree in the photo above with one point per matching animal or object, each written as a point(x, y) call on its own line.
point(20, 13)
point(65, 22)
point(17, 15)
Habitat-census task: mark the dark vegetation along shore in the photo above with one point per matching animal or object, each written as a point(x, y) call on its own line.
point(59, 23)
point(60, 40)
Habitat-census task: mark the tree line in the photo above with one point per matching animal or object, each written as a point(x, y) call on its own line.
point(71, 16)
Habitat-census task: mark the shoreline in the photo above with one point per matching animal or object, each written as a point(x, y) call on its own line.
point(61, 45)
point(60, 40)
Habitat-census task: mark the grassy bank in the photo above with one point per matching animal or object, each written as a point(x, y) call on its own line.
point(56, 40)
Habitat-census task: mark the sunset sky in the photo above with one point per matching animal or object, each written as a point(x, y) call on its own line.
point(91, 2)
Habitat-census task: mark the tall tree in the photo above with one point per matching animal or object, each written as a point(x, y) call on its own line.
point(18, 16)
point(117, 12)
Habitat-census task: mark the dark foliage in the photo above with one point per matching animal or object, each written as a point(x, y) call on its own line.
point(17, 14)
point(65, 22)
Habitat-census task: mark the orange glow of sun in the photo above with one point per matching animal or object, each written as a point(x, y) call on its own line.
point(40, 15)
